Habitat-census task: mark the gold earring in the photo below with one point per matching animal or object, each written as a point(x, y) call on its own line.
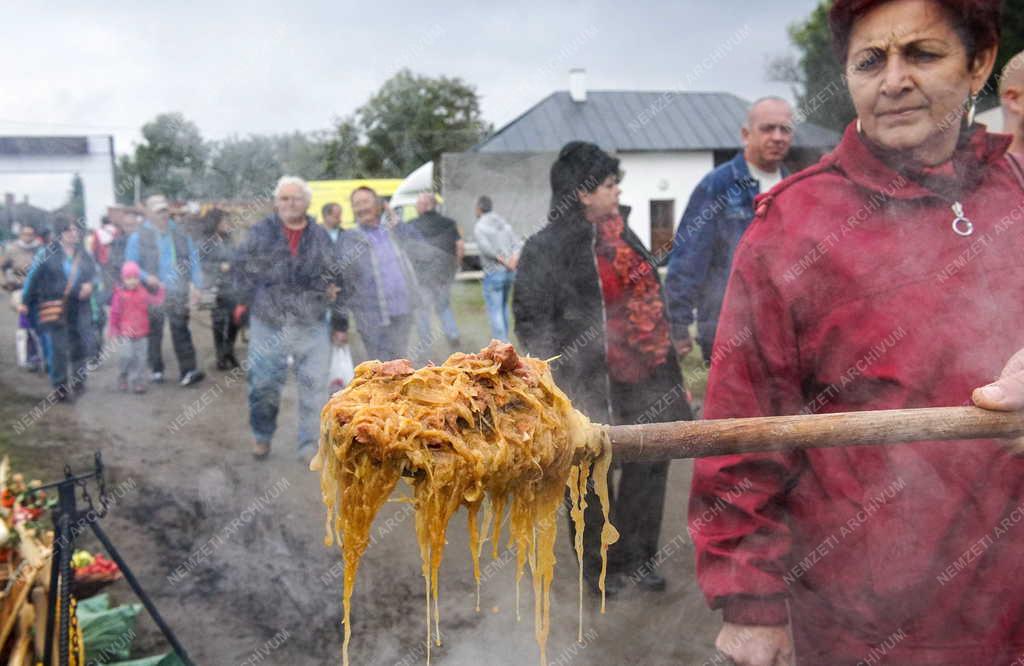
point(860, 130)
point(972, 108)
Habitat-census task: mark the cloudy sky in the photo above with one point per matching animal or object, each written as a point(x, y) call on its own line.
point(283, 66)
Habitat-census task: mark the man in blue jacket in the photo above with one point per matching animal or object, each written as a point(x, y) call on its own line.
point(168, 257)
point(720, 210)
point(287, 277)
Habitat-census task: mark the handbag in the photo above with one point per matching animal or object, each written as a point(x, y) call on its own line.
point(341, 371)
point(53, 311)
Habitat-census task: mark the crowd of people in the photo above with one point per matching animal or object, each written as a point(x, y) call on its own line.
point(292, 283)
point(786, 282)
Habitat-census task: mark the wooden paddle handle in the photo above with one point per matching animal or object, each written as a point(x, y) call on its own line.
point(651, 442)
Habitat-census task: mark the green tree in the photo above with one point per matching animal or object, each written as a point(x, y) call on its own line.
point(340, 151)
point(818, 80)
point(242, 168)
point(172, 159)
point(413, 119)
point(125, 174)
point(76, 198)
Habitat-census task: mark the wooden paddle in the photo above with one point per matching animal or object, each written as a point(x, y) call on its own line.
point(651, 442)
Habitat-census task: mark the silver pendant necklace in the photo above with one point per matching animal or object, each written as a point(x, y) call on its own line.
point(961, 225)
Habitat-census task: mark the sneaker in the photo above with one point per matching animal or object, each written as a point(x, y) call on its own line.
point(157, 378)
point(192, 377)
point(260, 450)
point(139, 388)
point(122, 386)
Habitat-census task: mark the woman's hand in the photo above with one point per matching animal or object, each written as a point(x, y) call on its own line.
point(85, 292)
point(751, 645)
point(1007, 393)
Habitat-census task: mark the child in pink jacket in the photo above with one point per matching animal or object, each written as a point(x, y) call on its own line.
point(129, 323)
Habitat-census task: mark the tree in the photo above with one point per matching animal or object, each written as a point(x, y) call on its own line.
point(172, 160)
point(243, 168)
point(412, 119)
point(340, 151)
point(76, 198)
point(818, 80)
point(819, 84)
point(125, 175)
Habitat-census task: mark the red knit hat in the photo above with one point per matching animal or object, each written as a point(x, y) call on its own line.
point(130, 269)
point(976, 21)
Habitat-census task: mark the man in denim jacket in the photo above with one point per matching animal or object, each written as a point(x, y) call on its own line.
point(719, 211)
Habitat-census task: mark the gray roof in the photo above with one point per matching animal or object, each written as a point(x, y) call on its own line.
point(44, 145)
point(627, 120)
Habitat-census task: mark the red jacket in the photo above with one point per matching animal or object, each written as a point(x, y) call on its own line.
point(129, 311)
point(851, 292)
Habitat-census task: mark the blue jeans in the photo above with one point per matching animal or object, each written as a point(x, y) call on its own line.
point(435, 299)
point(269, 348)
point(497, 287)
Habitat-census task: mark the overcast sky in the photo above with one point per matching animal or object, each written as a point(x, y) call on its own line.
point(283, 66)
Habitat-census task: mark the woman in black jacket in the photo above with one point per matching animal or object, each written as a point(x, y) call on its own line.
point(588, 293)
point(63, 273)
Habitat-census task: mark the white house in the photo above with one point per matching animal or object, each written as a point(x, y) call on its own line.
point(666, 142)
point(91, 157)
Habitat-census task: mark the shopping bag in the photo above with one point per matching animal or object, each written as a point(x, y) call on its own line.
point(341, 368)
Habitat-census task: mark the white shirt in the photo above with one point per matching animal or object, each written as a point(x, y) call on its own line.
point(767, 180)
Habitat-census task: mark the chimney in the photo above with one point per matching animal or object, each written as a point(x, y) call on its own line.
point(578, 85)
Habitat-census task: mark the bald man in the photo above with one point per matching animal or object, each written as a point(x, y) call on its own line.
point(1011, 94)
point(720, 210)
point(436, 255)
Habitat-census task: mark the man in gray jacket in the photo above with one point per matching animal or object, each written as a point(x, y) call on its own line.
point(499, 254)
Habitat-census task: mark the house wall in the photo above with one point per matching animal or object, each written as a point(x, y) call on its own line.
point(519, 185)
point(660, 176)
point(96, 169)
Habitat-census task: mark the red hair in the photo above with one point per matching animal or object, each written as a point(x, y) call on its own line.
point(977, 22)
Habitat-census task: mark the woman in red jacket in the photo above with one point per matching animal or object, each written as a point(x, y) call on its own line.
point(889, 275)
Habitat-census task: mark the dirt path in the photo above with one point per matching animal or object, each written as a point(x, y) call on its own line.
point(231, 549)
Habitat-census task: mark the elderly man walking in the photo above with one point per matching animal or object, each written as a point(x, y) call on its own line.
point(436, 258)
point(286, 278)
point(379, 285)
point(167, 257)
point(720, 210)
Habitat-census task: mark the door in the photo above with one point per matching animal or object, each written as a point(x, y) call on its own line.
point(663, 216)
